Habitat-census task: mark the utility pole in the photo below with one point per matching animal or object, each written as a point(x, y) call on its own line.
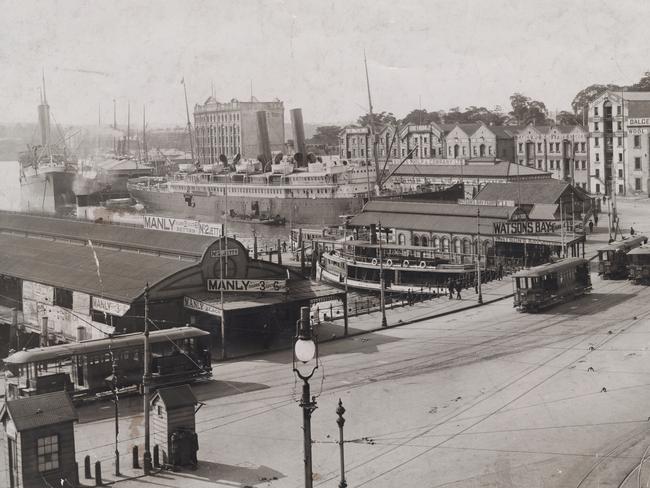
point(146, 384)
point(340, 421)
point(478, 255)
point(144, 133)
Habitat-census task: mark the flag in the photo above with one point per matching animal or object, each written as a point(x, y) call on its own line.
point(99, 276)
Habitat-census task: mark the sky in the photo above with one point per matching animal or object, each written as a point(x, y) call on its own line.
point(430, 54)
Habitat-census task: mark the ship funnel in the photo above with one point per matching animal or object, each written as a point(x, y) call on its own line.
point(298, 135)
point(264, 144)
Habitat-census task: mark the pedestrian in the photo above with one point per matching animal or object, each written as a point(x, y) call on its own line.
point(266, 335)
point(631, 231)
point(459, 288)
point(284, 246)
point(476, 284)
point(596, 219)
point(591, 227)
point(450, 287)
point(500, 272)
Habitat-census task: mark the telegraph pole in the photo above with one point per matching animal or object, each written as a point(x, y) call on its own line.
point(478, 255)
point(146, 384)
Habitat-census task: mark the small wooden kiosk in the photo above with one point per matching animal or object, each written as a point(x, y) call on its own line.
point(173, 412)
point(39, 441)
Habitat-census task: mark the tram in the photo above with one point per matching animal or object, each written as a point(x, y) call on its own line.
point(178, 355)
point(638, 263)
point(546, 285)
point(612, 260)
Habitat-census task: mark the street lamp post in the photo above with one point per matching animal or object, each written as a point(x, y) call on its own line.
point(305, 356)
point(478, 256)
point(340, 410)
point(382, 285)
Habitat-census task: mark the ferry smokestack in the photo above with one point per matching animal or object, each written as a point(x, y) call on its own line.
point(298, 133)
point(264, 144)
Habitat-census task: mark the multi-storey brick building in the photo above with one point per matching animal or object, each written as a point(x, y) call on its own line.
point(619, 146)
point(469, 141)
point(561, 150)
point(232, 128)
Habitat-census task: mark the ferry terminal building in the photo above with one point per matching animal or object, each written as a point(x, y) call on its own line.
point(64, 280)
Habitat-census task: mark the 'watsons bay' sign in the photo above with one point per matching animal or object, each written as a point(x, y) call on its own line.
point(251, 286)
point(185, 226)
point(529, 227)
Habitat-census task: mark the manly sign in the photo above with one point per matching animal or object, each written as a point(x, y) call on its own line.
point(247, 286)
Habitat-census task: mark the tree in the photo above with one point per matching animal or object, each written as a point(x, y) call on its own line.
point(568, 118)
point(643, 84)
point(382, 118)
point(525, 110)
point(420, 116)
point(327, 135)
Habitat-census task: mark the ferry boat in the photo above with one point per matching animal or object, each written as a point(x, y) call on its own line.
point(318, 194)
point(415, 269)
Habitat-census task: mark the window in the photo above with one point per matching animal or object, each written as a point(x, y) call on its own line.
point(48, 453)
point(596, 142)
point(619, 125)
point(63, 298)
point(620, 173)
point(637, 184)
point(596, 111)
point(637, 141)
point(620, 189)
point(637, 164)
point(582, 147)
point(620, 157)
point(618, 110)
point(596, 127)
point(521, 147)
point(619, 141)
point(584, 165)
point(597, 187)
point(597, 173)
point(577, 164)
point(539, 147)
point(597, 157)
point(539, 164)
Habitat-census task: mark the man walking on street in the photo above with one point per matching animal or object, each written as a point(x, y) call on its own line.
point(459, 288)
point(450, 287)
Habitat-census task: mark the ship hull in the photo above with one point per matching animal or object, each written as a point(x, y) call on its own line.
point(49, 193)
point(314, 211)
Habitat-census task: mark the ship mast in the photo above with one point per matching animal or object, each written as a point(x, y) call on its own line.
point(44, 120)
point(144, 133)
point(372, 127)
point(189, 124)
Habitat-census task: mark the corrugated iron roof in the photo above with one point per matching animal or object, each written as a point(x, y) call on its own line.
point(432, 223)
point(480, 169)
point(176, 397)
point(639, 108)
point(543, 211)
point(72, 266)
point(546, 191)
point(114, 235)
point(432, 208)
point(41, 410)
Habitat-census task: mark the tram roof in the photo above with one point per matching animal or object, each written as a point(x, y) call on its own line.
point(629, 243)
point(640, 250)
point(63, 351)
point(545, 269)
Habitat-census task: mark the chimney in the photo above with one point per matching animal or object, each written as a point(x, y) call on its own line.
point(298, 132)
point(264, 145)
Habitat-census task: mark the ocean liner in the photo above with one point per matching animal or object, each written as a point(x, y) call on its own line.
point(318, 194)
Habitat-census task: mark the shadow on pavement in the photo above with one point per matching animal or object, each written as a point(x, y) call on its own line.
point(229, 475)
point(577, 307)
point(219, 389)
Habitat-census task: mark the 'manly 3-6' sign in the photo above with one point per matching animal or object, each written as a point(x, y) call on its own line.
point(252, 286)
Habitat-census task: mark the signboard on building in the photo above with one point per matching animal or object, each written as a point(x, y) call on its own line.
point(184, 226)
point(490, 203)
point(436, 162)
point(521, 228)
point(38, 292)
point(110, 306)
point(638, 121)
point(638, 131)
point(219, 253)
point(201, 306)
point(247, 286)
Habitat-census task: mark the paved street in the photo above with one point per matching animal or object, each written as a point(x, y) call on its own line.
point(489, 397)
